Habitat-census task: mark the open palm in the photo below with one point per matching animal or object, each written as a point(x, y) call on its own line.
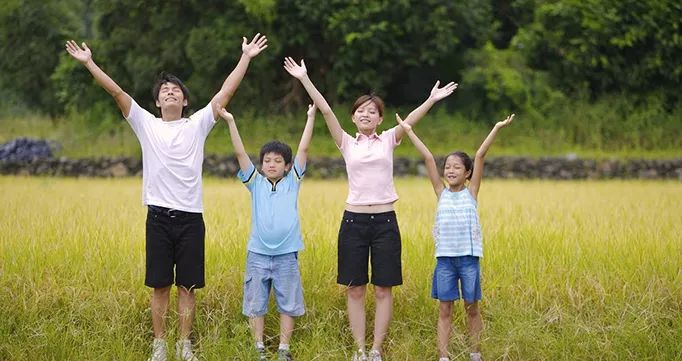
point(253, 48)
point(440, 93)
point(297, 71)
point(505, 122)
point(81, 54)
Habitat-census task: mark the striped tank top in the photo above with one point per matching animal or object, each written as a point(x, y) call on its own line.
point(457, 231)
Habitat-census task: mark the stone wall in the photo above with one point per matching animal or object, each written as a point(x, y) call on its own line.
point(326, 167)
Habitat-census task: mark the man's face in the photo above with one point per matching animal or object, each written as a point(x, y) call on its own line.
point(170, 97)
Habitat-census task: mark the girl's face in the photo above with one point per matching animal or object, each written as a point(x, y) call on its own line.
point(455, 173)
point(366, 117)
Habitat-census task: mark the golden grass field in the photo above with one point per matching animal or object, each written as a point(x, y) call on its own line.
point(578, 270)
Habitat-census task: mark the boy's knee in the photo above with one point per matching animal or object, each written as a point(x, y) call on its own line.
point(445, 310)
point(472, 309)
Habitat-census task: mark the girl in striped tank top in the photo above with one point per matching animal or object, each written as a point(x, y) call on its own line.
point(457, 232)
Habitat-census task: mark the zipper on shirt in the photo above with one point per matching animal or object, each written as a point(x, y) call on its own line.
point(273, 187)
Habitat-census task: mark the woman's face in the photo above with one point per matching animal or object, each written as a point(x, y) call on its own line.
point(367, 118)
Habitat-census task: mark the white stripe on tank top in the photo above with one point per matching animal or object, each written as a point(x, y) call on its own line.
point(457, 230)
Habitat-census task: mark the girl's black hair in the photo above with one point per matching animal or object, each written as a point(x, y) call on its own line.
point(466, 160)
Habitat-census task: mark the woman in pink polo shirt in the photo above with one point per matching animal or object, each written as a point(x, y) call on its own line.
point(369, 230)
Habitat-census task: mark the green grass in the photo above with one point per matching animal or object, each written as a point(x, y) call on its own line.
point(599, 132)
point(572, 271)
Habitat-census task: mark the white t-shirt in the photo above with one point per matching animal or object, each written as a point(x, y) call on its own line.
point(172, 157)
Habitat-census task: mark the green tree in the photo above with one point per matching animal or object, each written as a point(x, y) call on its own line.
point(31, 39)
point(498, 81)
point(134, 41)
point(383, 44)
point(607, 45)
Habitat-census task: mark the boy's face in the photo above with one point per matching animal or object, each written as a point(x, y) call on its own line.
point(273, 166)
point(366, 117)
point(455, 172)
point(170, 96)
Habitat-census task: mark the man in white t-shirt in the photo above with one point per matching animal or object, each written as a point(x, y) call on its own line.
point(172, 157)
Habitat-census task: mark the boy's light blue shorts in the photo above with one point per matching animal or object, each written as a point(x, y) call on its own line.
point(280, 273)
point(451, 272)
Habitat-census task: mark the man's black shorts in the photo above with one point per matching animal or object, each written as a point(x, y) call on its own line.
point(364, 236)
point(175, 239)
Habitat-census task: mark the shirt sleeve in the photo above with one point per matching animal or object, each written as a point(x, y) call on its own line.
point(248, 177)
point(136, 118)
point(345, 140)
point(389, 135)
point(205, 118)
point(298, 170)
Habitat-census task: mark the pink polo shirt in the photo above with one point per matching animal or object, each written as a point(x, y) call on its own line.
point(369, 164)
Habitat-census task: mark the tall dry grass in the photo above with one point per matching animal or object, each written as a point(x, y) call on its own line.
point(572, 271)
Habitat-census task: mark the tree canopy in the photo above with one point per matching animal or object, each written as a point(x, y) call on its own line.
point(505, 54)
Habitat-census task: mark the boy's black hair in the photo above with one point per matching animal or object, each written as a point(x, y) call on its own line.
point(170, 78)
point(277, 147)
point(466, 160)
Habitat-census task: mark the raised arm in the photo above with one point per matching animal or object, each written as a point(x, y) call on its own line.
point(429, 160)
point(84, 55)
point(249, 51)
point(479, 159)
point(239, 151)
point(416, 115)
point(301, 73)
point(302, 152)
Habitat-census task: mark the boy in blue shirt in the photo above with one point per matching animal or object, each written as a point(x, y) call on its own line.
point(272, 260)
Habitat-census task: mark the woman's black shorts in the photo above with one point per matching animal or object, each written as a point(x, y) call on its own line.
point(369, 236)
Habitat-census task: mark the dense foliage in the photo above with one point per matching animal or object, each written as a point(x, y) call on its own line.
point(541, 58)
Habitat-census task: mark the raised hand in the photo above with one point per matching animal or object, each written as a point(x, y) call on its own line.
point(440, 93)
point(81, 54)
point(311, 110)
point(253, 48)
point(225, 115)
point(297, 71)
point(505, 122)
point(402, 123)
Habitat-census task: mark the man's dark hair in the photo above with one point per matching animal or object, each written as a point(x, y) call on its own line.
point(170, 78)
point(277, 147)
